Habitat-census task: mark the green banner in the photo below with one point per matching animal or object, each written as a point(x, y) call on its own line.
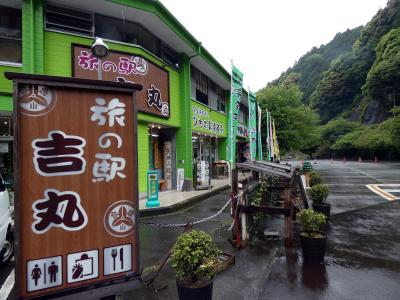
point(267, 141)
point(260, 155)
point(252, 125)
point(236, 93)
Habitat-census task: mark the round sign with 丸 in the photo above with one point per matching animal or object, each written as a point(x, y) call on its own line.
point(119, 219)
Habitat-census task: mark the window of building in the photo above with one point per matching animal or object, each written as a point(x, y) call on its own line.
point(243, 114)
point(217, 98)
point(213, 97)
point(199, 86)
point(171, 56)
point(127, 32)
point(207, 91)
point(221, 98)
point(10, 34)
point(69, 20)
point(89, 24)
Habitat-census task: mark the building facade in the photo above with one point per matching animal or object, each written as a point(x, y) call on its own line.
point(183, 107)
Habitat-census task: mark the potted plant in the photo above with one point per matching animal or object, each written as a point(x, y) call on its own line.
point(312, 239)
point(314, 178)
point(193, 256)
point(319, 193)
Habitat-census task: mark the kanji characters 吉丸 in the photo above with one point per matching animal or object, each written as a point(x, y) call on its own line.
point(114, 110)
point(58, 209)
point(59, 154)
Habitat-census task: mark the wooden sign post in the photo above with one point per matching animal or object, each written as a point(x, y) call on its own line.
point(76, 184)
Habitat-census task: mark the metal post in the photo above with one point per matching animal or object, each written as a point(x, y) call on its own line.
point(99, 69)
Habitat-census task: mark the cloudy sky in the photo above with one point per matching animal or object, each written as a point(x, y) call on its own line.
point(265, 37)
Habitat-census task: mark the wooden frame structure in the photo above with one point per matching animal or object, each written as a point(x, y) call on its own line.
point(290, 187)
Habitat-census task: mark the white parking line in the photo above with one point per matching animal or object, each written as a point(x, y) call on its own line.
point(7, 286)
point(384, 190)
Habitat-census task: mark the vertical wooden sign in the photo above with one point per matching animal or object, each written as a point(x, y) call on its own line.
point(76, 183)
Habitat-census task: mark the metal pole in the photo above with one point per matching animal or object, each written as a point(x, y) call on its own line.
point(99, 69)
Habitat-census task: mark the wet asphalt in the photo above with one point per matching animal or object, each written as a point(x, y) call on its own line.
point(363, 254)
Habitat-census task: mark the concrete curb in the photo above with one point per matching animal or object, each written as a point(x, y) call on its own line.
point(149, 212)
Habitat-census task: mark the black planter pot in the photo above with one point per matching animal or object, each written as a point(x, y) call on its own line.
point(201, 293)
point(324, 208)
point(313, 248)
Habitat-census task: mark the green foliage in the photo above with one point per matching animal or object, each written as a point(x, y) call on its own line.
point(356, 76)
point(340, 87)
point(383, 80)
point(331, 132)
point(381, 140)
point(310, 220)
point(308, 71)
point(319, 193)
point(192, 257)
point(335, 129)
point(314, 178)
point(296, 124)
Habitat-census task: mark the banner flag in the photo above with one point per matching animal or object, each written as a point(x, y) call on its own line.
point(276, 146)
point(252, 125)
point(260, 155)
point(271, 140)
point(236, 94)
point(267, 137)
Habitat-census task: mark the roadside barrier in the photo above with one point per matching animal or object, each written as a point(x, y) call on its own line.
point(175, 225)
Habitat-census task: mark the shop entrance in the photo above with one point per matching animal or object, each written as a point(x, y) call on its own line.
point(6, 147)
point(205, 152)
point(242, 151)
point(162, 155)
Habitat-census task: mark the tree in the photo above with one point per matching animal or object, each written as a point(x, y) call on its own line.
point(383, 79)
point(295, 123)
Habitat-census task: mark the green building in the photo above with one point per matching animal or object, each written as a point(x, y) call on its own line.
point(185, 99)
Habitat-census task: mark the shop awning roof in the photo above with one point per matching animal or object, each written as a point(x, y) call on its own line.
point(275, 169)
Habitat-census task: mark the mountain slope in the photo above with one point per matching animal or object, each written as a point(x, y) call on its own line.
point(308, 71)
point(339, 92)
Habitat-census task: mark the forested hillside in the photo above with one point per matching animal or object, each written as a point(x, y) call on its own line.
point(308, 71)
point(351, 83)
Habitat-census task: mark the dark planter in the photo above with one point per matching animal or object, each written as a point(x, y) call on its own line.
point(324, 208)
point(313, 248)
point(201, 293)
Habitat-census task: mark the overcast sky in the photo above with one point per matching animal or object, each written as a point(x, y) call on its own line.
point(265, 37)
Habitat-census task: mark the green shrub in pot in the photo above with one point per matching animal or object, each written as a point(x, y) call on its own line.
point(314, 178)
point(192, 258)
point(312, 239)
point(319, 193)
point(311, 222)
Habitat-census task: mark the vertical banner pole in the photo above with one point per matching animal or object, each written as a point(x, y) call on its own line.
point(259, 133)
point(252, 125)
point(236, 93)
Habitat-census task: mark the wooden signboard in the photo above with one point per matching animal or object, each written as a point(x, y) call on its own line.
point(125, 67)
point(76, 183)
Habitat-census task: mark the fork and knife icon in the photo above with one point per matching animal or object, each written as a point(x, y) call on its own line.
point(114, 254)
